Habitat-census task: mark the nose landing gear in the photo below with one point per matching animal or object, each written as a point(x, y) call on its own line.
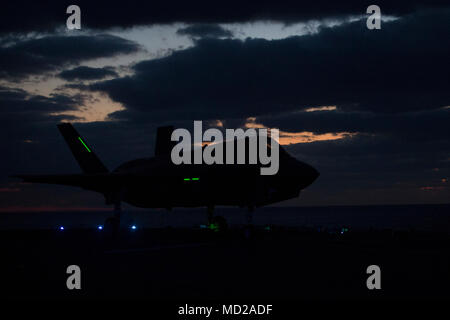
point(112, 224)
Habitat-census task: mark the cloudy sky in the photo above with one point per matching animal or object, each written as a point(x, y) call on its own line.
point(370, 109)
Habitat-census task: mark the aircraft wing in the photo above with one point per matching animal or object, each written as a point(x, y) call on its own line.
point(101, 182)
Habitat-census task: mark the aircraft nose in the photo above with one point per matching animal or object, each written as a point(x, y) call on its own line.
point(308, 173)
point(314, 174)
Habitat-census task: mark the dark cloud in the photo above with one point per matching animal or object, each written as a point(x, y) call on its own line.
point(417, 126)
point(23, 115)
point(19, 102)
point(205, 31)
point(34, 56)
point(389, 85)
point(402, 67)
point(32, 16)
point(87, 73)
point(26, 121)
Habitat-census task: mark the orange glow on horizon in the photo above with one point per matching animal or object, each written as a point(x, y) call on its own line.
point(432, 188)
point(287, 138)
point(323, 108)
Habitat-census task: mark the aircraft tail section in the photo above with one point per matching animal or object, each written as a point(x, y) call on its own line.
point(85, 156)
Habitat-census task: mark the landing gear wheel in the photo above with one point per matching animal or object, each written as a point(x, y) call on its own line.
point(112, 225)
point(219, 224)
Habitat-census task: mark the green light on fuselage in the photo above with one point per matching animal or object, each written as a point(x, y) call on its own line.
point(84, 144)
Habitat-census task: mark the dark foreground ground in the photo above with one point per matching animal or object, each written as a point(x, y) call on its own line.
point(189, 264)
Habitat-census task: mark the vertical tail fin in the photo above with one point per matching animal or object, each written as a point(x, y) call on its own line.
point(84, 155)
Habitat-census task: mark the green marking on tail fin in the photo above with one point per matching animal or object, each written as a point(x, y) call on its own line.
point(84, 144)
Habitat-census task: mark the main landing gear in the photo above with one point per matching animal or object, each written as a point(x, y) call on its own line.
point(248, 228)
point(216, 223)
point(219, 224)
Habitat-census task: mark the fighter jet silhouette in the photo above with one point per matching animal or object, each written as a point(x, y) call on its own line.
point(156, 182)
